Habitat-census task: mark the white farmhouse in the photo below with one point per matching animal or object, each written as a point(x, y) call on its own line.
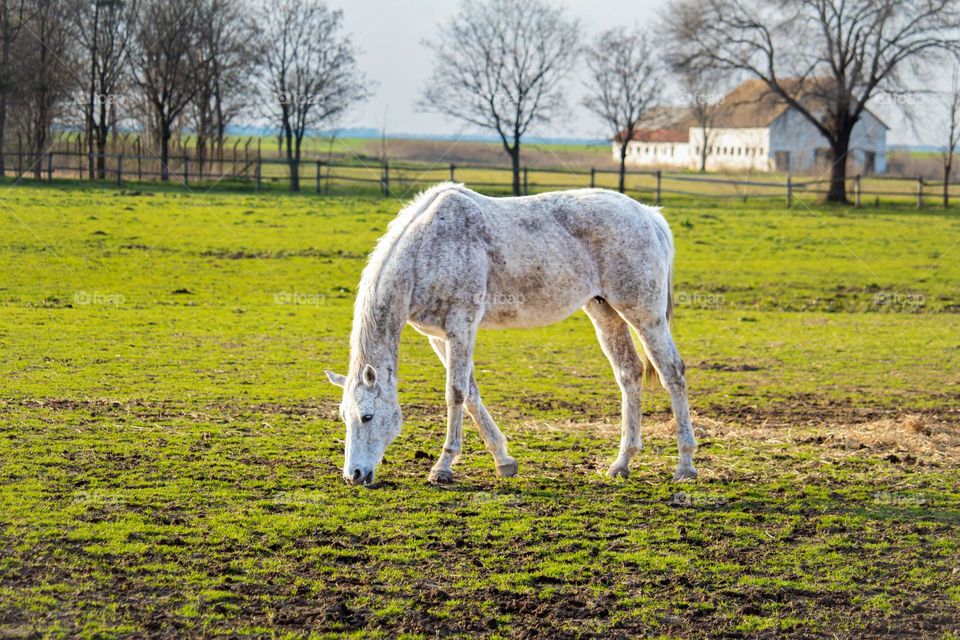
point(749, 130)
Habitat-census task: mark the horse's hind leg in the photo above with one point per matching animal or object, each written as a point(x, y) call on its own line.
point(616, 342)
point(493, 438)
point(654, 331)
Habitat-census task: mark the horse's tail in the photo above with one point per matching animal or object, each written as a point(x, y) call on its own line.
point(649, 371)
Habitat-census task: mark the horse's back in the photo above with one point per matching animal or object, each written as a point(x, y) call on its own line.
point(535, 260)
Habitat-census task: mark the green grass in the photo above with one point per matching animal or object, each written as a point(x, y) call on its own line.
point(170, 448)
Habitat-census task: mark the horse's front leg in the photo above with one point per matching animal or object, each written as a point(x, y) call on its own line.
point(493, 438)
point(460, 336)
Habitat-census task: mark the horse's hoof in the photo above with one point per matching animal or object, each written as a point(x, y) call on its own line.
point(440, 476)
point(507, 470)
point(618, 471)
point(685, 473)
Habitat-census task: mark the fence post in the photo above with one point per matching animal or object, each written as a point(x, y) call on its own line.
point(856, 191)
point(593, 177)
point(258, 172)
point(659, 183)
point(525, 181)
point(385, 179)
point(186, 171)
point(919, 193)
point(120, 170)
point(319, 164)
point(50, 167)
point(789, 191)
point(453, 171)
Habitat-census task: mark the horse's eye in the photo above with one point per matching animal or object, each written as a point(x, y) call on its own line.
point(367, 417)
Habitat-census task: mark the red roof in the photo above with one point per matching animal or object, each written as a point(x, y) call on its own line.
point(662, 124)
point(659, 135)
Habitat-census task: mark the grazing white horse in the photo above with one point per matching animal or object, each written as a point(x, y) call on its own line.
point(455, 261)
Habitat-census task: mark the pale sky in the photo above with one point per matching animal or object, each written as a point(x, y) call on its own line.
point(390, 34)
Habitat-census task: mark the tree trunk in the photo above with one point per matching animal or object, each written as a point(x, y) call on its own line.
point(946, 184)
point(703, 150)
point(4, 69)
point(165, 136)
point(292, 161)
point(102, 128)
point(838, 170)
point(3, 126)
point(621, 181)
point(294, 175)
point(102, 152)
point(515, 165)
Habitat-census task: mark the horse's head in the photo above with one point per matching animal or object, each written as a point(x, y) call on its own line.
point(371, 411)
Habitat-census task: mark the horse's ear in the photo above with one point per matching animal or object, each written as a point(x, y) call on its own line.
point(336, 378)
point(369, 375)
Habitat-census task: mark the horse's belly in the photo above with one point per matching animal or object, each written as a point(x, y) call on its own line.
point(505, 314)
point(539, 292)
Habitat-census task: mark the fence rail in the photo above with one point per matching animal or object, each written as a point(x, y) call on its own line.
point(248, 170)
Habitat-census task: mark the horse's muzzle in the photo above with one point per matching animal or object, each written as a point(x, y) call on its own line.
point(359, 476)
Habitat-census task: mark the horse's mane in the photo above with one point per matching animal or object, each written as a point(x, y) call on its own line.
point(368, 291)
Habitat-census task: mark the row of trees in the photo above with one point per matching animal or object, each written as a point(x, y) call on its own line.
point(171, 65)
point(164, 66)
point(500, 64)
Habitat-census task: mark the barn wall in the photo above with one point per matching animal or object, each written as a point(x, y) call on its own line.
point(869, 134)
point(655, 155)
point(763, 148)
point(735, 149)
point(793, 133)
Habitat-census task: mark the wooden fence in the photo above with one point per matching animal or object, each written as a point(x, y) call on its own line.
point(245, 168)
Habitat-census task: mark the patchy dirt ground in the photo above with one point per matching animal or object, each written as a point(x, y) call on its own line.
point(159, 521)
point(170, 453)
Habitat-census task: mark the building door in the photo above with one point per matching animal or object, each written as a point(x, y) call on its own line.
point(781, 160)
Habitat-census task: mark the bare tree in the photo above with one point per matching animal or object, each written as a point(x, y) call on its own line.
point(166, 43)
point(310, 74)
point(825, 58)
point(953, 134)
point(500, 65)
point(105, 32)
point(46, 75)
point(11, 23)
point(223, 58)
point(701, 89)
point(627, 80)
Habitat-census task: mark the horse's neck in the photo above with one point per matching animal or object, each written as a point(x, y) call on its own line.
point(379, 317)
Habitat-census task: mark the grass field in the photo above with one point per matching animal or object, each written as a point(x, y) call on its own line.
point(170, 449)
